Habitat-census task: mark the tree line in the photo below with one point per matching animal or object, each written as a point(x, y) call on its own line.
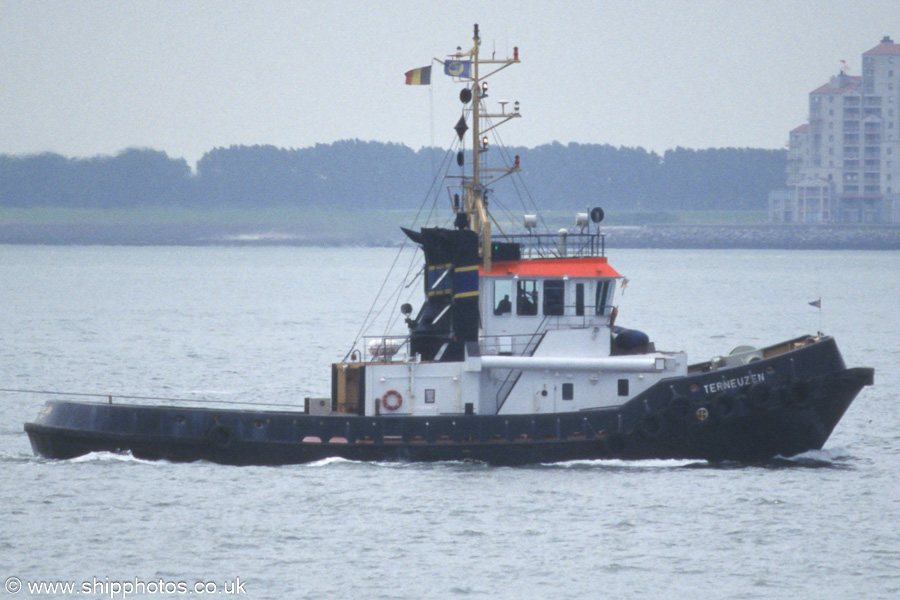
point(359, 175)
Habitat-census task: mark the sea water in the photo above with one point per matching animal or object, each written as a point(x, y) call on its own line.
point(262, 325)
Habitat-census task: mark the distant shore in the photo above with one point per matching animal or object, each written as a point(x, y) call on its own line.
point(777, 237)
point(844, 237)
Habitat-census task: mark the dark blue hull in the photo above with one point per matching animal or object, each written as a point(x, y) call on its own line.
point(781, 406)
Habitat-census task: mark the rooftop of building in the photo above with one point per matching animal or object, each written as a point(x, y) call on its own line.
point(839, 84)
point(887, 46)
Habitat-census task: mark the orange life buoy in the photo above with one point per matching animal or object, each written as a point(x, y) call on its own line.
point(392, 400)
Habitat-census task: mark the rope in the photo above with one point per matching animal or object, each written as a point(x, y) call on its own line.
point(370, 320)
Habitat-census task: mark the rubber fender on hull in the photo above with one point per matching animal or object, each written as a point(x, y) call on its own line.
point(651, 425)
point(219, 437)
point(761, 397)
point(614, 444)
point(726, 407)
point(678, 409)
point(799, 394)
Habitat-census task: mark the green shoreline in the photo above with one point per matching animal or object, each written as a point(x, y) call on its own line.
point(320, 227)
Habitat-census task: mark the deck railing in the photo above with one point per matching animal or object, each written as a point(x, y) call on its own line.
point(557, 245)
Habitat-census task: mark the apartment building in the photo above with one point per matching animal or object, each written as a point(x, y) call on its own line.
point(844, 165)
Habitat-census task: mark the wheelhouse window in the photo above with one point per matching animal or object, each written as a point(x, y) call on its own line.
point(526, 297)
point(579, 299)
point(602, 298)
point(554, 297)
point(503, 289)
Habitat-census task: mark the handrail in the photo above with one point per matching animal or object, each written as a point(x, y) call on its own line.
point(553, 245)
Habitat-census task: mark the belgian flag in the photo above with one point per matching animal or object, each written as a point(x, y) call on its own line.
point(420, 76)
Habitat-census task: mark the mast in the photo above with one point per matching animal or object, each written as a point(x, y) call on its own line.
point(479, 218)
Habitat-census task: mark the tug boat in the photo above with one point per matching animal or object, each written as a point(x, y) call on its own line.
point(514, 357)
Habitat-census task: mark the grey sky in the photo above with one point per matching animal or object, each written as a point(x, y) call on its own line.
point(85, 77)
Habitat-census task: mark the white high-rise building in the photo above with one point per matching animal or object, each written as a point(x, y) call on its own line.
point(844, 165)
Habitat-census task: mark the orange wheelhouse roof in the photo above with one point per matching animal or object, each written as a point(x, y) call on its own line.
point(552, 267)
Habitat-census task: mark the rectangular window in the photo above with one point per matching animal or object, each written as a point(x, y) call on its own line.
point(502, 296)
point(554, 297)
point(527, 297)
point(579, 299)
point(623, 387)
point(568, 391)
point(602, 296)
point(429, 396)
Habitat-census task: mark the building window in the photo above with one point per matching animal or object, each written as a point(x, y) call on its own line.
point(568, 391)
point(554, 297)
point(527, 297)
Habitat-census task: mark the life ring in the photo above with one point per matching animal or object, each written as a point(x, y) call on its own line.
point(392, 400)
point(219, 436)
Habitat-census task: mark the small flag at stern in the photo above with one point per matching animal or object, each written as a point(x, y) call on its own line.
point(420, 76)
point(816, 303)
